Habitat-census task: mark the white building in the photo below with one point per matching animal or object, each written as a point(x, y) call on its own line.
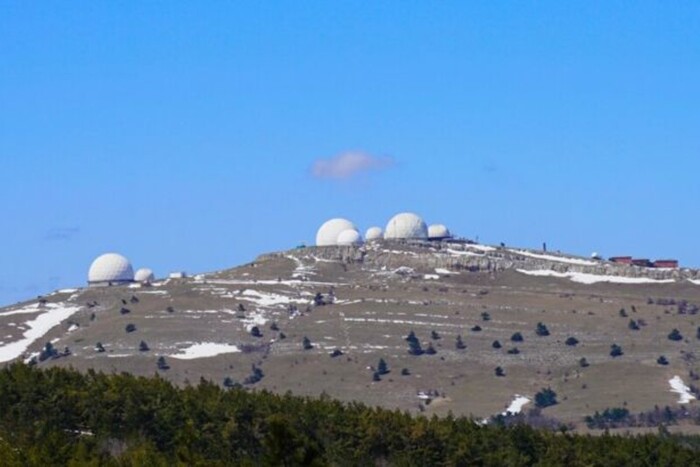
point(110, 269)
point(327, 234)
point(406, 226)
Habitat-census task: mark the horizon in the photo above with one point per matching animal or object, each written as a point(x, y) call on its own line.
point(190, 137)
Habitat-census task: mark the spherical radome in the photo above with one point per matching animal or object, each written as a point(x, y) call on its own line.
point(329, 231)
point(110, 267)
point(406, 225)
point(144, 275)
point(349, 237)
point(374, 233)
point(438, 231)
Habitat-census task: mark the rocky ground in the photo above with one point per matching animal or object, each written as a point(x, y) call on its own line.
point(360, 303)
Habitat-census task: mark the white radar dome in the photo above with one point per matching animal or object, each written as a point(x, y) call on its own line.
point(329, 231)
point(349, 237)
point(374, 233)
point(144, 275)
point(110, 267)
point(406, 225)
point(438, 231)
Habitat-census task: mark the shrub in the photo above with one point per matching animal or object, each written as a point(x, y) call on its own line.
point(616, 351)
point(143, 347)
point(486, 316)
point(124, 311)
point(476, 328)
point(545, 398)
point(513, 351)
point(430, 350)
point(376, 377)
point(274, 326)
point(414, 347)
point(517, 337)
point(541, 330)
point(336, 353)
point(623, 313)
point(405, 372)
point(255, 332)
point(434, 335)
point(306, 343)
point(499, 371)
point(662, 360)
point(571, 341)
point(99, 347)
point(583, 363)
point(382, 367)
point(162, 364)
point(633, 325)
point(130, 327)
point(675, 335)
point(496, 345)
point(459, 344)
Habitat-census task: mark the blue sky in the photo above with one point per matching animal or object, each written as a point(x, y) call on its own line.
point(184, 134)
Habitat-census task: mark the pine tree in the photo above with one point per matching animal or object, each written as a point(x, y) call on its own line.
point(662, 360)
point(162, 364)
point(306, 343)
point(499, 371)
point(414, 347)
point(675, 335)
point(496, 345)
point(541, 330)
point(517, 337)
point(99, 347)
point(616, 351)
point(255, 332)
point(460, 343)
point(430, 350)
point(382, 367)
point(571, 341)
point(143, 347)
point(434, 335)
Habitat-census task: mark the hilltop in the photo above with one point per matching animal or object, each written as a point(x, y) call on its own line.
point(547, 320)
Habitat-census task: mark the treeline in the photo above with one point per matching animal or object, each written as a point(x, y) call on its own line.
point(63, 417)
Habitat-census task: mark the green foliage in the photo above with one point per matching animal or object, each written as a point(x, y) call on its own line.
point(571, 341)
point(541, 330)
point(61, 417)
point(306, 343)
point(633, 325)
point(616, 351)
point(545, 398)
point(459, 343)
point(382, 367)
point(517, 337)
point(662, 360)
point(675, 335)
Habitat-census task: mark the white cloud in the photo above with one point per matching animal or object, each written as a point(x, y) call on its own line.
point(349, 164)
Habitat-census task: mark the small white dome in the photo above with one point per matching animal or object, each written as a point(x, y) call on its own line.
point(144, 275)
point(406, 225)
point(329, 231)
point(111, 267)
point(349, 237)
point(438, 231)
point(374, 233)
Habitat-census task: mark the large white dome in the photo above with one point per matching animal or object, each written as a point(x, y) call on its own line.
point(111, 267)
point(438, 231)
point(374, 233)
point(406, 225)
point(144, 275)
point(349, 237)
point(329, 231)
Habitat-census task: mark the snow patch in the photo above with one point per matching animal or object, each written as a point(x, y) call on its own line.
point(38, 327)
point(516, 406)
point(431, 276)
point(585, 278)
point(205, 350)
point(679, 387)
point(444, 271)
point(558, 259)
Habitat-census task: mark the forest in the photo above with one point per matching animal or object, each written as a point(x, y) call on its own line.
point(60, 416)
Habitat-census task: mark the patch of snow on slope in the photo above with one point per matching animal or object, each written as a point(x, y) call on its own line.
point(694, 281)
point(558, 259)
point(431, 277)
point(584, 278)
point(444, 271)
point(205, 350)
point(254, 319)
point(517, 405)
point(679, 387)
point(462, 253)
point(485, 248)
point(38, 327)
point(268, 299)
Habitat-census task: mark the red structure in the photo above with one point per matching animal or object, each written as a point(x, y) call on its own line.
point(621, 259)
point(666, 263)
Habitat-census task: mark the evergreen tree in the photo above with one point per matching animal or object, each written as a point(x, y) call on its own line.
point(496, 345)
point(583, 362)
point(485, 316)
point(306, 343)
point(476, 328)
point(162, 364)
point(143, 347)
point(255, 331)
point(130, 327)
point(675, 335)
point(99, 347)
point(336, 353)
point(459, 344)
point(571, 341)
point(382, 367)
point(405, 372)
point(616, 351)
point(414, 347)
point(434, 335)
point(633, 325)
point(517, 337)
point(662, 360)
point(513, 351)
point(430, 350)
point(499, 371)
point(541, 330)
point(545, 398)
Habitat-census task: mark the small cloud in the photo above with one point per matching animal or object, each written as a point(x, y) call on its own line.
point(61, 233)
point(349, 164)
